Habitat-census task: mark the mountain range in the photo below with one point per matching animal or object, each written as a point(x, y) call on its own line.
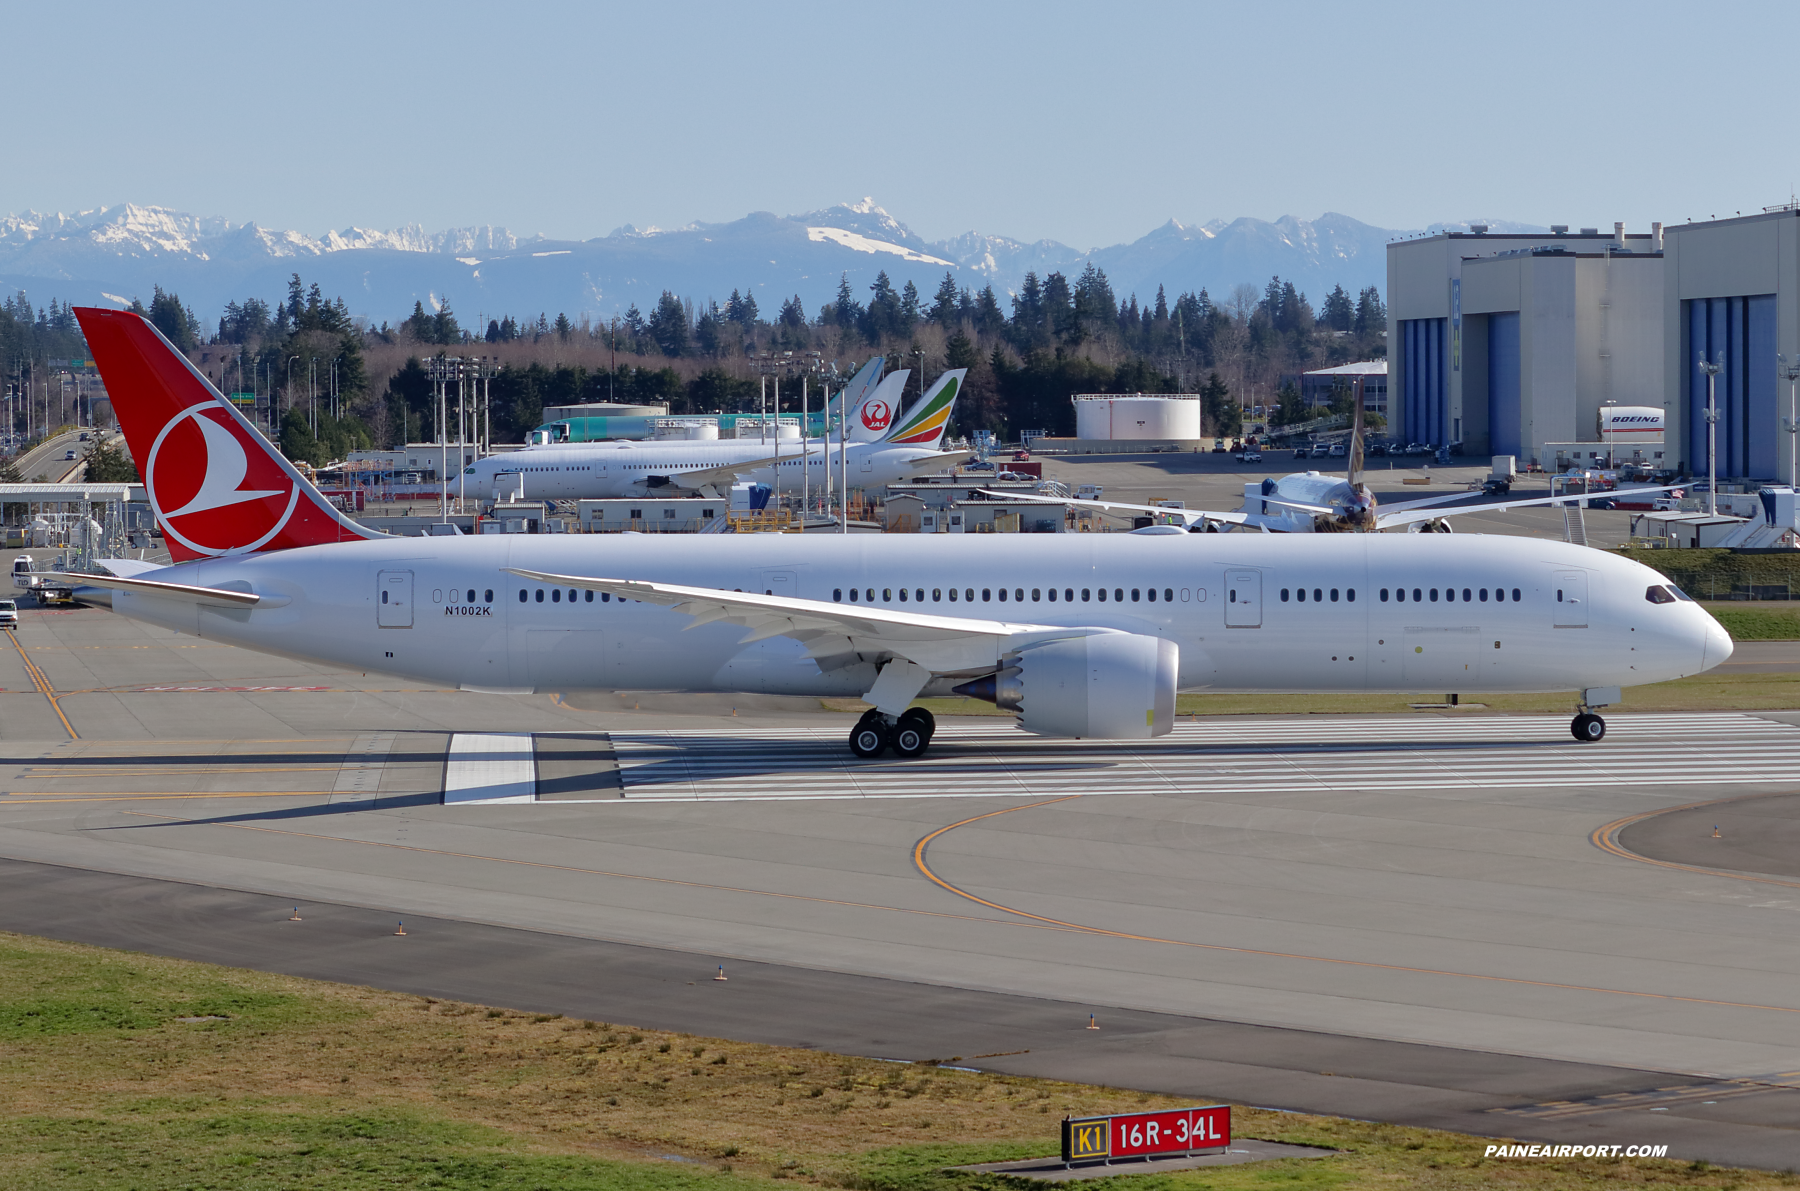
point(114, 254)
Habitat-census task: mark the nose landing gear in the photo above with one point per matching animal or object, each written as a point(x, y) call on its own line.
point(1588, 727)
point(908, 735)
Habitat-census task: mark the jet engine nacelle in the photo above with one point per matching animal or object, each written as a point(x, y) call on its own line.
point(1111, 686)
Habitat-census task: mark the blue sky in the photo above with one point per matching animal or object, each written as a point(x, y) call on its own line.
point(1086, 123)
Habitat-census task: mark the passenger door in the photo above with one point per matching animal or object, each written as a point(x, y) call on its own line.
point(1569, 589)
point(1243, 599)
point(394, 599)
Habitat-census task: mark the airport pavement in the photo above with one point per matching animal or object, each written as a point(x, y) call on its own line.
point(1209, 481)
point(1426, 885)
point(1745, 1122)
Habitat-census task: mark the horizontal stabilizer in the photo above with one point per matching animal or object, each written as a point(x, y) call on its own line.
point(161, 589)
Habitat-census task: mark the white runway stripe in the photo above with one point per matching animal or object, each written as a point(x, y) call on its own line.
point(1378, 753)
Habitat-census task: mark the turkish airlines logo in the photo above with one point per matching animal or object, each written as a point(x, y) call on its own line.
point(877, 414)
point(214, 489)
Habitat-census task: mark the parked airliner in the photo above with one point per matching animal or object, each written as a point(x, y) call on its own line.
point(572, 471)
point(1081, 636)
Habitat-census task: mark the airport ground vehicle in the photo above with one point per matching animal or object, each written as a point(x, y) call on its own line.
point(9, 614)
point(1085, 638)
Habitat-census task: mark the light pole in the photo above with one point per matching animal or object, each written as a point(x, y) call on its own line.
point(288, 392)
point(1712, 431)
point(1789, 370)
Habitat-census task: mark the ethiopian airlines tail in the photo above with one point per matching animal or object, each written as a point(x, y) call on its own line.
point(215, 483)
point(924, 425)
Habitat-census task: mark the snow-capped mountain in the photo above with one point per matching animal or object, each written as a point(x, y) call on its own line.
point(113, 254)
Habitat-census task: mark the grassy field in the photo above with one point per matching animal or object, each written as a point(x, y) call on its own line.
point(119, 1070)
point(1753, 621)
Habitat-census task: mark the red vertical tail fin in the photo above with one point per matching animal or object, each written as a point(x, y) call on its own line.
point(217, 486)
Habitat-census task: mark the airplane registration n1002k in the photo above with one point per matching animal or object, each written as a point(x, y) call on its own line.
point(1080, 635)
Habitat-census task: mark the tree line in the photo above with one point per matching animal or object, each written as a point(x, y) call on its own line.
point(341, 383)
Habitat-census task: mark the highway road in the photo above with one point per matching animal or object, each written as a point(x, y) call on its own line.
point(45, 461)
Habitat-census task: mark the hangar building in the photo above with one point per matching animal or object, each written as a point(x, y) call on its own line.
point(1506, 342)
point(1733, 293)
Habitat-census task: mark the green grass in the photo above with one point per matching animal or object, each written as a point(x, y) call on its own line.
point(309, 1085)
point(152, 1146)
point(1753, 621)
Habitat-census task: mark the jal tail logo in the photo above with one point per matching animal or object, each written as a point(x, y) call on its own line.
point(213, 491)
point(877, 414)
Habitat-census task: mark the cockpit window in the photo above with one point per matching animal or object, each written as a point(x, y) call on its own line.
point(1657, 594)
point(1680, 594)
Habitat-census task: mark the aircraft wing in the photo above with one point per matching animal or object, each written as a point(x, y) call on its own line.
point(727, 473)
point(925, 461)
point(1109, 506)
point(1300, 505)
point(941, 644)
point(1429, 508)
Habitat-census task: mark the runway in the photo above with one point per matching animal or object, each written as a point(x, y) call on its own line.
point(1225, 757)
point(1415, 905)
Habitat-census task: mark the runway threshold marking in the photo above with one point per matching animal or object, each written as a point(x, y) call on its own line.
point(919, 861)
point(42, 681)
point(1606, 838)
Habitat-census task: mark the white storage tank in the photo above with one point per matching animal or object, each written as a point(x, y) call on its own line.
point(1137, 415)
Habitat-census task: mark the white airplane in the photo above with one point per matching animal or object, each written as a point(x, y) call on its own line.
point(572, 471)
point(1087, 636)
point(1310, 501)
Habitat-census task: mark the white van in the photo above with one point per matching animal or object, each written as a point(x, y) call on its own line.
point(9, 614)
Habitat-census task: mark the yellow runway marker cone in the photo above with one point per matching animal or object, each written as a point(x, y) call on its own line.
point(1092, 1024)
point(296, 917)
point(401, 929)
point(721, 975)
point(1716, 831)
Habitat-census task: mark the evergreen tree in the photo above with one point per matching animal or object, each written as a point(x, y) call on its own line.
point(884, 316)
point(418, 324)
point(669, 325)
point(563, 327)
point(175, 321)
point(910, 311)
point(1371, 313)
point(1028, 312)
point(1221, 413)
point(1338, 313)
point(1094, 304)
point(944, 307)
point(988, 318)
point(109, 465)
point(1059, 310)
point(708, 336)
point(793, 314)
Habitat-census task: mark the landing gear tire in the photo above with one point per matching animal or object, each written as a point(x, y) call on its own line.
point(1588, 727)
point(912, 735)
point(922, 720)
point(869, 738)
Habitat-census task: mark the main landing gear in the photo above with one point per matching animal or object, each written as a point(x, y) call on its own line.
point(908, 735)
point(1588, 727)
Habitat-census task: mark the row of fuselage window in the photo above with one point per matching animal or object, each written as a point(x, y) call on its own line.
point(1418, 595)
point(1318, 595)
point(967, 595)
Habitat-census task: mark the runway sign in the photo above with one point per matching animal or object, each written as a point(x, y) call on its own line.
point(1144, 1134)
